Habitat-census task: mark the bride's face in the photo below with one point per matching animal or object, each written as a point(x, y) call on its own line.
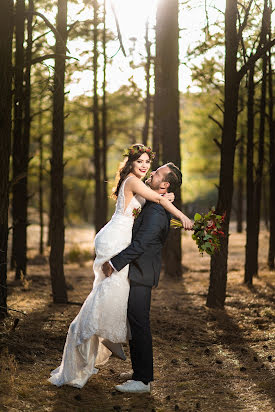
point(141, 166)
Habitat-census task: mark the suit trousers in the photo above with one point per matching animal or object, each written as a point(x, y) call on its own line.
point(141, 343)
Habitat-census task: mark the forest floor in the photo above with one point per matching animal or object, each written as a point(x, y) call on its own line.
point(204, 359)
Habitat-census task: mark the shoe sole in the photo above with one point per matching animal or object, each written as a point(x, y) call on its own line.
point(126, 375)
point(127, 391)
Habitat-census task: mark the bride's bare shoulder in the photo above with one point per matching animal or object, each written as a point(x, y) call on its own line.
point(132, 180)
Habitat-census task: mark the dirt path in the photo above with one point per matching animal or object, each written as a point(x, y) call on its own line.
point(205, 360)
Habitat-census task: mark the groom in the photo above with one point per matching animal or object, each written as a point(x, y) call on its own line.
point(150, 231)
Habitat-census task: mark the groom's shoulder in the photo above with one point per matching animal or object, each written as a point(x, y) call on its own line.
point(155, 207)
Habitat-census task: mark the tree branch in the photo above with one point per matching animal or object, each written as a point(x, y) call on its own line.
point(40, 59)
point(242, 26)
point(219, 107)
point(118, 29)
point(238, 141)
point(217, 143)
point(253, 58)
point(242, 42)
point(41, 35)
point(49, 24)
point(14, 310)
point(207, 21)
point(16, 179)
point(41, 111)
point(72, 26)
point(215, 121)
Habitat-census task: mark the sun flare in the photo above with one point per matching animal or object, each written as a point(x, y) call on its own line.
point(132, 16)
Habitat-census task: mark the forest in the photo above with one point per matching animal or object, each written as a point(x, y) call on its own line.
point(80, 82)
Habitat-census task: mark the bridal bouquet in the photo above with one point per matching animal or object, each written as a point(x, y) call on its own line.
point(207, 231)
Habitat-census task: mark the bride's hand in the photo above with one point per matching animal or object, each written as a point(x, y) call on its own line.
point(186, 222)
point(169, 196)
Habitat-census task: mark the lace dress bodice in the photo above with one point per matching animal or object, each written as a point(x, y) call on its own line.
point(136, 202)
point(117, 234)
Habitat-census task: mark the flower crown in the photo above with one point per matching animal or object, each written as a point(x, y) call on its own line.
point(139, 149)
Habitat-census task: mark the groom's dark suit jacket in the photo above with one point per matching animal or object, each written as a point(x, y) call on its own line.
point(150, 231)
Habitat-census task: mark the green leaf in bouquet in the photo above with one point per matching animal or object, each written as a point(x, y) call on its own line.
point(194, 237)
point(197, 217)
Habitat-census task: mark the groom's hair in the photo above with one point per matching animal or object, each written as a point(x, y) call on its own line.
point(174, 177)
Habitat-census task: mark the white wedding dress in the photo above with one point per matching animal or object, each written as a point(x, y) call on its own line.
point(104, 312)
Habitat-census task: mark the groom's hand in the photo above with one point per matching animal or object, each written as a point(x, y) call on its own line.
point(107, 269)
point(170, 196)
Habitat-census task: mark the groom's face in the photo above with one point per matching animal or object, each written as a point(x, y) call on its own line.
point(157, 179)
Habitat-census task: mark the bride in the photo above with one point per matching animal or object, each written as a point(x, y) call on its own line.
point(102, 320)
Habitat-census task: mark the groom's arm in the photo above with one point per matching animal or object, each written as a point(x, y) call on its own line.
point(154, 220)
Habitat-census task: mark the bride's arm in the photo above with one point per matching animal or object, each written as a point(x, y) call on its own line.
point(138, 187)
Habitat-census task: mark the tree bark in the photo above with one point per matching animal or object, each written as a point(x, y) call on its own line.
point(260, 165)
point(27, 118)
point(57, 167)
point(96, 132)
point(104, 201)
point(49, 231)
point(20, 153)
point(166, 115)
point(145, 131)
point(40, 181)
point(240, 182)
point(157, 99)
point(240, 179)
point(6, 33)
point(250, 215)
point(265, 202)
point(218, 272)
point(271, 126)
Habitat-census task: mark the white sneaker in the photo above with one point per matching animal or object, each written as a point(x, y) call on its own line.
point(126, 375)
point(132, 386)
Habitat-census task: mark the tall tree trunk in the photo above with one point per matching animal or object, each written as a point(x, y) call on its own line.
point(167, 112)
point(96, 131)
point(20, 154)
point(40, 180)
point(240, 185)
point(240, 182)
point(145, 131)
point(156, 104)
point(271, 124)
point(250, 215)
point(57, 166)
point(104, 200)
point(6, 32)
point(27, 119)
point(218, 272)
point(265, 203)
point(49, 232)
point(260, 166)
